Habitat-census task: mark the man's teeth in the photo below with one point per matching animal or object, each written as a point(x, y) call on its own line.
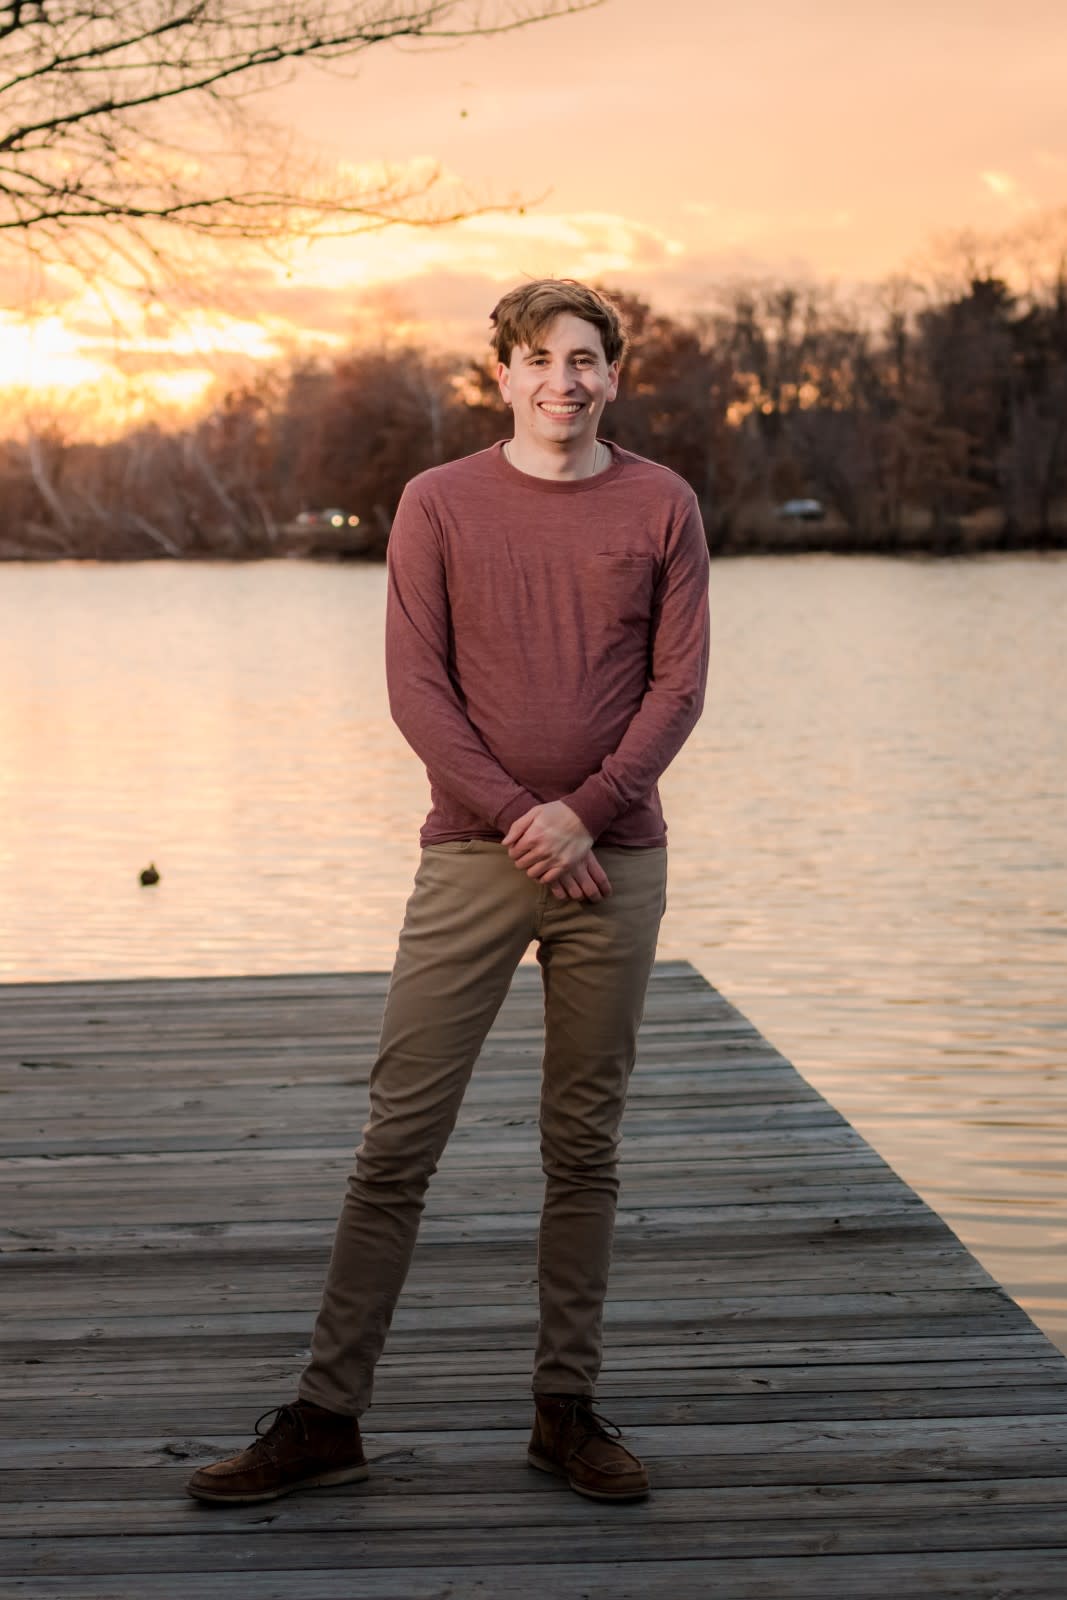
point(561, 411)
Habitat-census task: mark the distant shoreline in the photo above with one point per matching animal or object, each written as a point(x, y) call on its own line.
point(952, 544)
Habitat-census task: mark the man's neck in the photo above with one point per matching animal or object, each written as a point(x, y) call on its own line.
point(562, 465)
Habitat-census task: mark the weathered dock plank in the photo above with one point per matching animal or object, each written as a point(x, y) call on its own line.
point(1013, 1574)
point(836, 1400)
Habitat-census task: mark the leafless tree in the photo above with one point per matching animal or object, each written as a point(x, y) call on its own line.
point(941, 426)
point(142, 113)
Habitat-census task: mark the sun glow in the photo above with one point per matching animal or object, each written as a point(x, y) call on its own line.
point(119, 356)
point(96, 366)
point(182, 390)
point(43, 354)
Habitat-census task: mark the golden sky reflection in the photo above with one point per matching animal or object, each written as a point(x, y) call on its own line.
point(799, 136)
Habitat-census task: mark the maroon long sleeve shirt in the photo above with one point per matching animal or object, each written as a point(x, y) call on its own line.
point(546, 640)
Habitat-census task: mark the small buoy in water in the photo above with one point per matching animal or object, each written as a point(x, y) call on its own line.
point(150, 875)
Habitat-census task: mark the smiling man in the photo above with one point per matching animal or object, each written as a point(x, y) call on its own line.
point(546, 652)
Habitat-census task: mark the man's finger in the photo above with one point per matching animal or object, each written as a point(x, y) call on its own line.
point(586, 883)
point(525, 839)
point(518, 827)
point(536, 865)
point(598, 875)
point(523, 854)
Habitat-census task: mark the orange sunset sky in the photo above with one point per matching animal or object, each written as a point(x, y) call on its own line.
point(672, 144)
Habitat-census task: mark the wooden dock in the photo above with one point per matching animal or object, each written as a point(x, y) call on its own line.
point(835, 1400)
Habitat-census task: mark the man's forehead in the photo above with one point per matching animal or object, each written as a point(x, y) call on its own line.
point(573, 335)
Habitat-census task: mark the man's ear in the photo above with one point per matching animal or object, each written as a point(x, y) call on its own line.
point(503, 378)
point(613, 380)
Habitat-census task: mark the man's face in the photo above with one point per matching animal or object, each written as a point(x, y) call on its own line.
point(558, 389)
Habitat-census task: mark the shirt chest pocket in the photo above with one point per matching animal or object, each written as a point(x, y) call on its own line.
point(616, 587)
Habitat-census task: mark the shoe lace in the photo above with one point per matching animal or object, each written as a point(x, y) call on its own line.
point(580, 1415)
point(283, 1415)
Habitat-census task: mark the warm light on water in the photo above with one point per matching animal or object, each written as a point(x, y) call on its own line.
point(868, 830)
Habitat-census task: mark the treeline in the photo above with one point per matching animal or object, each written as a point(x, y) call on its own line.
point(938, 424)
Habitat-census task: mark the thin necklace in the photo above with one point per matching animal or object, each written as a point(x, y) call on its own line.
point(596, 457)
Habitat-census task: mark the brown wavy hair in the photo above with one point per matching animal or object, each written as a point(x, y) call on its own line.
point(524, 313)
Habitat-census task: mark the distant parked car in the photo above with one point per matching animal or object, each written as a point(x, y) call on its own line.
point(332, 517)
point(330, 532)
point(802, 510)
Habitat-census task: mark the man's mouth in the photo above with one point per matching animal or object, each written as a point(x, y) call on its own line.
point(571, 409)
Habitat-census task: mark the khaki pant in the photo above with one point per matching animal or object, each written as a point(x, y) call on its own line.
point(471, 916)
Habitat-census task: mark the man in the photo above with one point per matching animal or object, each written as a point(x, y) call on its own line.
point(546, 652)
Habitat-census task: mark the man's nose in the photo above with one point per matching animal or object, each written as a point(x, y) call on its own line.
point(561, 377)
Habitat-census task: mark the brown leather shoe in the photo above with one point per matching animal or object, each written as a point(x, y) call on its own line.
point(570, 1440)
point(305, 1447)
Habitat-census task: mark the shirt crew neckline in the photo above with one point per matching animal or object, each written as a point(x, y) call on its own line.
point(529, 480)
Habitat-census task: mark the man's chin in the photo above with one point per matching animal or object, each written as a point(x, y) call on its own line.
point(562, 433)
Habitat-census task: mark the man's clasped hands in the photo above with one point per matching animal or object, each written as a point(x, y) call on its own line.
point(551, 844)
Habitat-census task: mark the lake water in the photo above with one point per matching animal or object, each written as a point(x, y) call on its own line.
point(868, 829)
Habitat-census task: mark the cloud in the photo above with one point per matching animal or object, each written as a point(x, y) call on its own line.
point(440, 284)
point(1002, 184)
point(733, 226)
point(31, 289)
point(436, 286)
point(1008, 190)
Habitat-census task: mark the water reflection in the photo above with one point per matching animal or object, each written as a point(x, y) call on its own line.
point(867, 831)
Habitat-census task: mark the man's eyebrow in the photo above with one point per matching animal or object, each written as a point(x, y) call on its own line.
point(542, 350)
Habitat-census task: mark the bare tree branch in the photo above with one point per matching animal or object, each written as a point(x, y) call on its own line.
point(115, 110)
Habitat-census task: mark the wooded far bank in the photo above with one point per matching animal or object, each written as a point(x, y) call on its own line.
point(941, 429)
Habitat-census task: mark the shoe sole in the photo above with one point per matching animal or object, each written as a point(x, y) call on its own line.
point(543, 1464)
point(322, 1480)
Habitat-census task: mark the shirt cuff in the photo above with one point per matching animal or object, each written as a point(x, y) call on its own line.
point(593, 804)
point(524, 801)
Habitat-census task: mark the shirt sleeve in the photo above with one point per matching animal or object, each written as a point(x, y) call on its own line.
point(674, 699)
point(423, 699)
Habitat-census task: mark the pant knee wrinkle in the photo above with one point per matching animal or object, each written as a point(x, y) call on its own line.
point(582, 1175)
